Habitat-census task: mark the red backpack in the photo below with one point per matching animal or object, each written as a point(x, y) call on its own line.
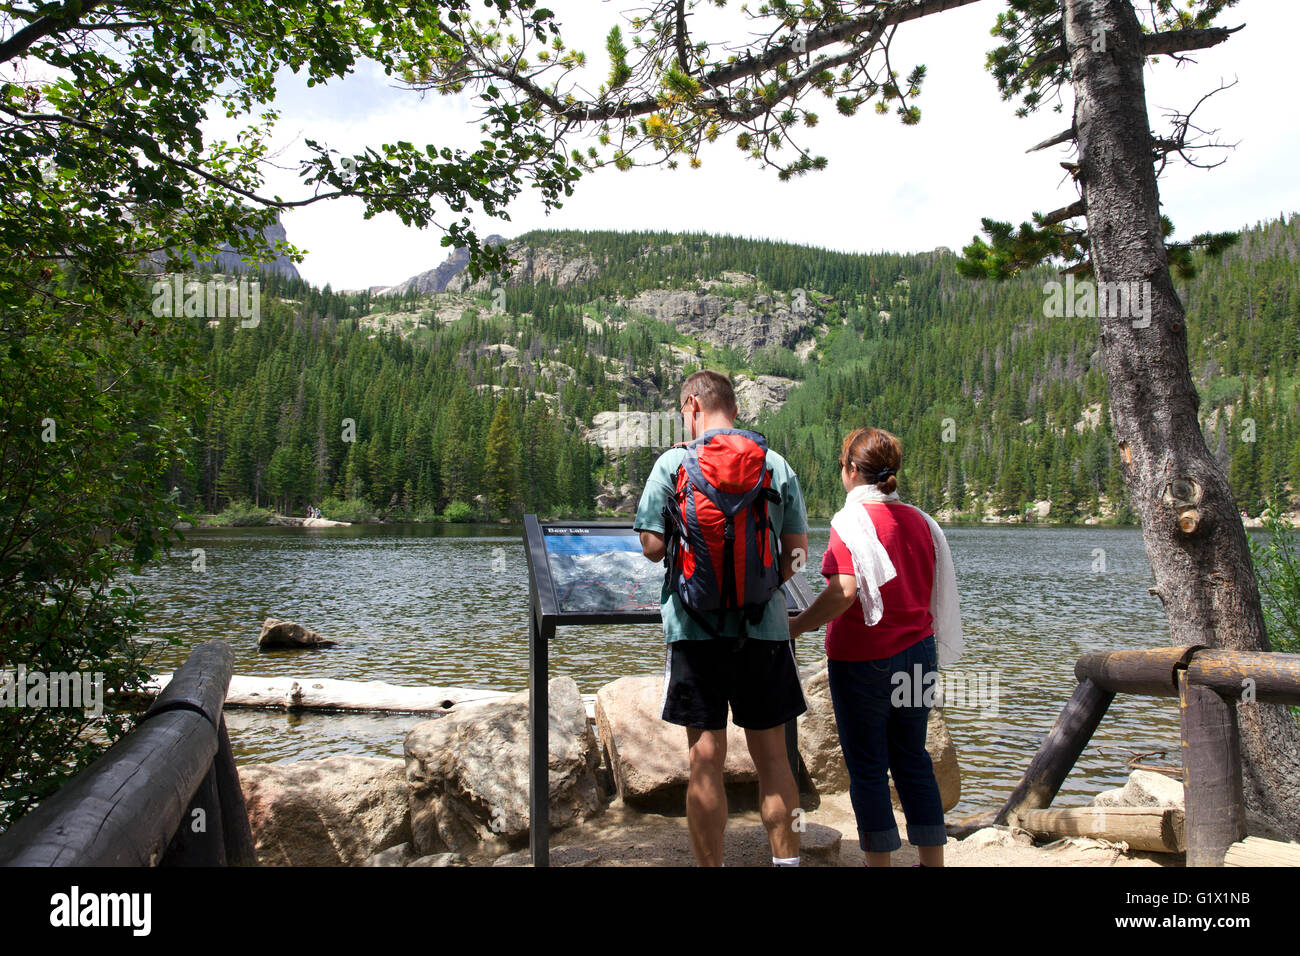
point(721, 554)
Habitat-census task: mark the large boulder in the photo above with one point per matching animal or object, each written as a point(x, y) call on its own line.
point(819, 743)
point(943, 755)
point(729, 322)
point(277, 634)
point(467, 772)
point(646, 755)
point(339, 811)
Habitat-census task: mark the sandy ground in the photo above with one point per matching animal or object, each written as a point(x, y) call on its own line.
point(624, 837)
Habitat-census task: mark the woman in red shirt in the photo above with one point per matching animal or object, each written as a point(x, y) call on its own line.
point(881, 602)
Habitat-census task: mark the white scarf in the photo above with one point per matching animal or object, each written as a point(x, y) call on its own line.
point(872, 569)
point(871, 564)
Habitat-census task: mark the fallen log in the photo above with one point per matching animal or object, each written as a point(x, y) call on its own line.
point(1154, 829)
point(327, 694)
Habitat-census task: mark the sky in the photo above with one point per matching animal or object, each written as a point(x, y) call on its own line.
point(887, 187)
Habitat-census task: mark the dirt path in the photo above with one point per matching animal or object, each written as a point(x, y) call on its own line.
point(624, 837)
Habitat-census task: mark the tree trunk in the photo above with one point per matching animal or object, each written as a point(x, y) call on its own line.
point(1192, 530)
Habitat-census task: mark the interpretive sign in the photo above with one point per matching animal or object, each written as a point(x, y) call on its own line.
point(589, 573)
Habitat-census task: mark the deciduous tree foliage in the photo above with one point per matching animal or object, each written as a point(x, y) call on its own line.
point(105, 176)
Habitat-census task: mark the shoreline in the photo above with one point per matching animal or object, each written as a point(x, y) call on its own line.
point(207, 522)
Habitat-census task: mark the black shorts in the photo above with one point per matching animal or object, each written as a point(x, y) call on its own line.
point(758, 678)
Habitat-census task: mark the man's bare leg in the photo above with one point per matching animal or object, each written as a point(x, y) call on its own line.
point(706, 800)
point(777, 791)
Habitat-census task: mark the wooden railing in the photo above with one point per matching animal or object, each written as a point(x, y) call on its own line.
point(1208, 683)
point(167, 794)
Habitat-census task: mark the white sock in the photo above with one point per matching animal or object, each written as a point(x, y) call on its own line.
point(785, 861)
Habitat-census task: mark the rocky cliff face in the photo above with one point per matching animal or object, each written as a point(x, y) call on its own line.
point(561, 267)
point(727, 322)
point(436, 279)
point(617, 433)
point(746, 323)
point(554, 264)
point(229, 261)
point(764, 393)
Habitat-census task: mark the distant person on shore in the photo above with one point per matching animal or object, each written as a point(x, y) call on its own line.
point(891, 591)
point(726, 621)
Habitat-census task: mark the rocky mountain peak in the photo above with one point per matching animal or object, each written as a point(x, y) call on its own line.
point(438, 278)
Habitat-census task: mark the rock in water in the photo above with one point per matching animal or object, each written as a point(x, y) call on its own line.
point(1145, 788)
point(468, 771)
point(278, 634)
point(647, 755)
point(339, 811)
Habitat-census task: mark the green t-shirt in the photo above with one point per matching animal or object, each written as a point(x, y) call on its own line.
point(788, 517)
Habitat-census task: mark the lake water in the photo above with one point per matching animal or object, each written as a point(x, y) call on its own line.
point(448, 605)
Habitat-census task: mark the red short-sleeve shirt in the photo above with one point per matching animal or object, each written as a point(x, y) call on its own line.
point(906, 619)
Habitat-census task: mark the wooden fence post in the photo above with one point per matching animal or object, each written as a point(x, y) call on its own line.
point(1212, 790)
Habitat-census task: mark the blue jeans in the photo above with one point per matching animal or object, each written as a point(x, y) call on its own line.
point(882, 723)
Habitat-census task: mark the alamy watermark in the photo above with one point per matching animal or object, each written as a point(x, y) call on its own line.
point(76, 908)
point(20, 687)
point(975, 690)
point(176, 297)
point(1086, 299)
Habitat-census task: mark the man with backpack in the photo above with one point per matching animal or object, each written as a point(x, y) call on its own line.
point(715, 508)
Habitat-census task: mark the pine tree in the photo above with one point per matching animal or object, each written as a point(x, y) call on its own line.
point(501, 466)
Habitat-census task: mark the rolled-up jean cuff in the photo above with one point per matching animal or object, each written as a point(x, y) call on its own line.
point(879, 841)
point(929, 834)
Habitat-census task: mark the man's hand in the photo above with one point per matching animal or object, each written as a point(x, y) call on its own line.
point(652, 545)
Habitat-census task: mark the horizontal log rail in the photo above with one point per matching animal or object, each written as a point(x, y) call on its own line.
point(166, 794)
point(1209, 684)
point(1150, 672)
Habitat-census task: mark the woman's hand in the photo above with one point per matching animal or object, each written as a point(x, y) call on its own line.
point(838, 596)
